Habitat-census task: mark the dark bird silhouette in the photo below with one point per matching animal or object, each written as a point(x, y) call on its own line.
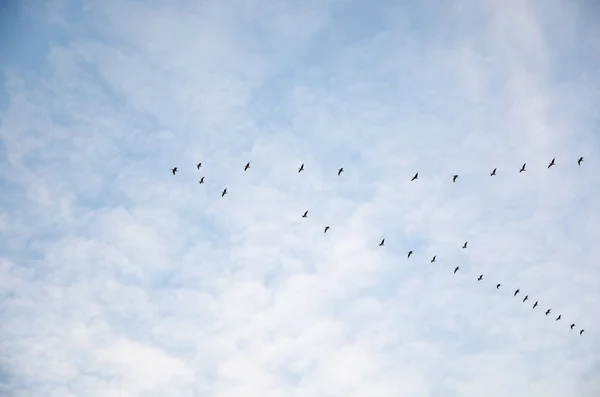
point(201, 180)
point(301, 168)
point(198, 165)
point(579, 161)
point(493, 172)
point(526, 297)
point(548, 312)
point(382, 243)
point(174, 170)
point(551, 163)
point(535, 304)
point(415, 177)
point(465, 244)
point(409, 254)
point(340, 171)
point(516, 292)
point(523, 167)
point(572, 325)
point(326, 229)
point(247, 166)
point(224, 192)
point(454, 178)
point(433, 259)
point(557, 318)
point(498, 286)
point(480, 278)
point(581, 332)
point(305, 214)
point(456, 269)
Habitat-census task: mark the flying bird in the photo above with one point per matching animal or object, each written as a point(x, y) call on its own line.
point(551, 163)
point(409, 254)
point(201, 180)
point(301, 168)
point(581, 332)
point(415, 177)
point(480, 278)
point(456, 269)
point(579, 161)
point(557, 318)
point(548, 312)
point(433, 259)
point(465, 244)
point(224, 192)
point(174, 170)
point(572, 325)
point(526, 297)
point(305, 214)
point(493, 172)
point(247, 166)
point(523, 167)
point(454, 177)
point(535, 304)
point(198, 165)
point(516, 292)
point(381, 244)
point(498, 286)
point(340, 171)
point(326, 229)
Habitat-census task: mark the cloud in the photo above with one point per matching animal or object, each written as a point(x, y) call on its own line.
point(118, 278)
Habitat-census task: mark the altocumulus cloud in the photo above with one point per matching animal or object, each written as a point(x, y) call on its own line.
point(119, 279)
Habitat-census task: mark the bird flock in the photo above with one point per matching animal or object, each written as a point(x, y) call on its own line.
point(410, 253)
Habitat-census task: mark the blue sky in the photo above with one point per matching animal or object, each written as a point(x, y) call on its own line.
point(119, 279)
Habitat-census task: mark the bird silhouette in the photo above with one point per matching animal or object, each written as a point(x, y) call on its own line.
point(581, 332)
point(572, 325)
point(224, 192)
point(174, 170)
point(301, 168)
point(493, 172)
point(201, 180)
point(247, 166)
point(523, 167)
point(433, 259)
point(535, 304)
point(465, 244)
point(456, 269)
point(557, 318)
point(198, 165)
point(480, 278)
point(579, 161)
point(551, 163)
point(548, 312)
point(382, 243)
point(415, 177)
point(305, 214)
point(498, 286)
point(340, 171)
point(326, 229)
point(516, 292)
point(454, 178)
point(526, 297)
point(409, 254)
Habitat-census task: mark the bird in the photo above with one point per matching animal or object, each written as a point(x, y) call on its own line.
point(480, 277)
point(454, 177)
point(535, 304)
point(579, 161)
point(247, 166)
point(581, 332)
point(493, 172)
point(498, 286)
point(551, 163)
point(201, 180)
point(224, 192)
point(465, 244)
point(326, 229)
point(198, 165)
point(557, 318)
point(305, 214)
point(456, 269)
point(433, 259)
point(516, 292)
point(340, 171)
point(415, 177)
point(301, 168)
point(548, 312)
point(409, 254)
point(523, 167)
point(174, 170)
point(572, 325)
point(526, 297)
point(382, 243)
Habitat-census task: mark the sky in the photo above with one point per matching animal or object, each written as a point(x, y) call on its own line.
point(118, 278)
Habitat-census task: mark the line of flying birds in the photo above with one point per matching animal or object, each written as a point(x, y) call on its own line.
point(382, 243)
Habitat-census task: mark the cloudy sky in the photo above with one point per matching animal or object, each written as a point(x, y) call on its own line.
point(118, 278)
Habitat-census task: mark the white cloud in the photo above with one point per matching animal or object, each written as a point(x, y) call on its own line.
point(118, 278)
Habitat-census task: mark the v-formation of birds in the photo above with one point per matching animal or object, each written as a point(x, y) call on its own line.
point(410, 253)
